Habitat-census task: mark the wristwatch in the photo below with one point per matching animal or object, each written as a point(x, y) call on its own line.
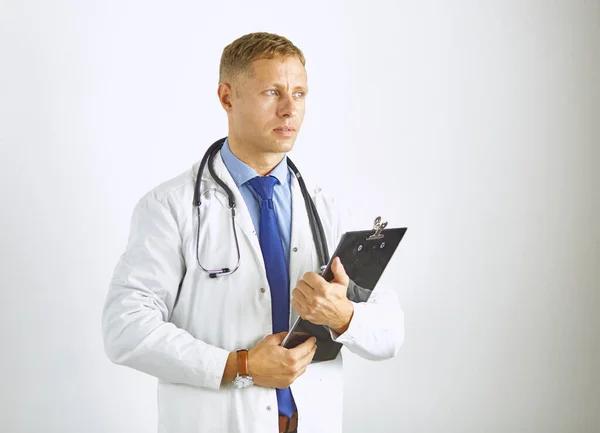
point(243, 378)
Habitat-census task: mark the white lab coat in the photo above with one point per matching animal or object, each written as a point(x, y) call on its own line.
point(186, 345)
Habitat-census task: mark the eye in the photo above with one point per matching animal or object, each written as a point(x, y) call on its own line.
point(299, 94)
point(272, 92)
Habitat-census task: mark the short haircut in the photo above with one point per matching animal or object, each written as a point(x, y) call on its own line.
point(238, 56)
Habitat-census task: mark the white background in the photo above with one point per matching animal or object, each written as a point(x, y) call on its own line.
point(473, 123)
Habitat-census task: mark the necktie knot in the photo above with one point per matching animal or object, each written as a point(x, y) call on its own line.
point(263, 185)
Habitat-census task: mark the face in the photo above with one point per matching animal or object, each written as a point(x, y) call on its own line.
point(266, 108)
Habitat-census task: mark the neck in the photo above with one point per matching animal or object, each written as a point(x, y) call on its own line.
point(261, 162)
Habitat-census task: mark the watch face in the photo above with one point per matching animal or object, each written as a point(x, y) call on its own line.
point(243, 382)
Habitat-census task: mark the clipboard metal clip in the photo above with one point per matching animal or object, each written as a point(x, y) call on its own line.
point(378, 227)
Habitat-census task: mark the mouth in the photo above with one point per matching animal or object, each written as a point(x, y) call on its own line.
point(285, 128)
point(286, 131)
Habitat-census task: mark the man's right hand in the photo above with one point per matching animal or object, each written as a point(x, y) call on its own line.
point(274, 366)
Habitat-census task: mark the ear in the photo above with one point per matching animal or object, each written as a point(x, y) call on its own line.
point(225, 94)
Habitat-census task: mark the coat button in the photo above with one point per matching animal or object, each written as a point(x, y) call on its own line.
point(295, 249)
point(268, 407)
point(262, 290)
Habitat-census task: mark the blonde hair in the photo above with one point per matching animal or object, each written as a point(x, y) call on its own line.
point(238, 56)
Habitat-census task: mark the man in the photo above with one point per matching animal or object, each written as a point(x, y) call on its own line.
point(205, 337)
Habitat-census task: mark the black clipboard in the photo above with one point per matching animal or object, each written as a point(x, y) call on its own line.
point(364, 255)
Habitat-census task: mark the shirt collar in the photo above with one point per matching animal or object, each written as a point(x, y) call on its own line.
point(242, 173)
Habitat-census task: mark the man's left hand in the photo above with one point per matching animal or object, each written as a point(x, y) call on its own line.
point(323, 303)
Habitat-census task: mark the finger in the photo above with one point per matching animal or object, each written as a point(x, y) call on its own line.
point(309, 356)
point(339, 272)
point(313, 280)
point(299, 296)
point(304, 287)
point(304, 348)
point(300, 373)
point(298, 308)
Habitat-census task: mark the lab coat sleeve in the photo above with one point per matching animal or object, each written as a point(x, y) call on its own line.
point(376, 330)
point(142, 293)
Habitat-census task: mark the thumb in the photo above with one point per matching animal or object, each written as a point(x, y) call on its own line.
point(339, 272)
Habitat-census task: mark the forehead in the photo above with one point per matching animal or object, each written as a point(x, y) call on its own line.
point(278, 70)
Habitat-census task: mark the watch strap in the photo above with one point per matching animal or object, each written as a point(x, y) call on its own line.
point(242, 361)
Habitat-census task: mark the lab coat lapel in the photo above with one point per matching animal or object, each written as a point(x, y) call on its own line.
point(303, 253)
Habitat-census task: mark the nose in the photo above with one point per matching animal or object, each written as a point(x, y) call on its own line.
point(287, 106)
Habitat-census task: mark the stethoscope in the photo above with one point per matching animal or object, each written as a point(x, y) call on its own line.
point(315, 222)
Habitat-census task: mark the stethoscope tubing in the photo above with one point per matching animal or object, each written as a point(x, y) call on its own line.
point(316, 225)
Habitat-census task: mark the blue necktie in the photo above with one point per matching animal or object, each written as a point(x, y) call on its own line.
point(277, 273)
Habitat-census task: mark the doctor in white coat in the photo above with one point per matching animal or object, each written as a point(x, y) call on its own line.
point(210, 341)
